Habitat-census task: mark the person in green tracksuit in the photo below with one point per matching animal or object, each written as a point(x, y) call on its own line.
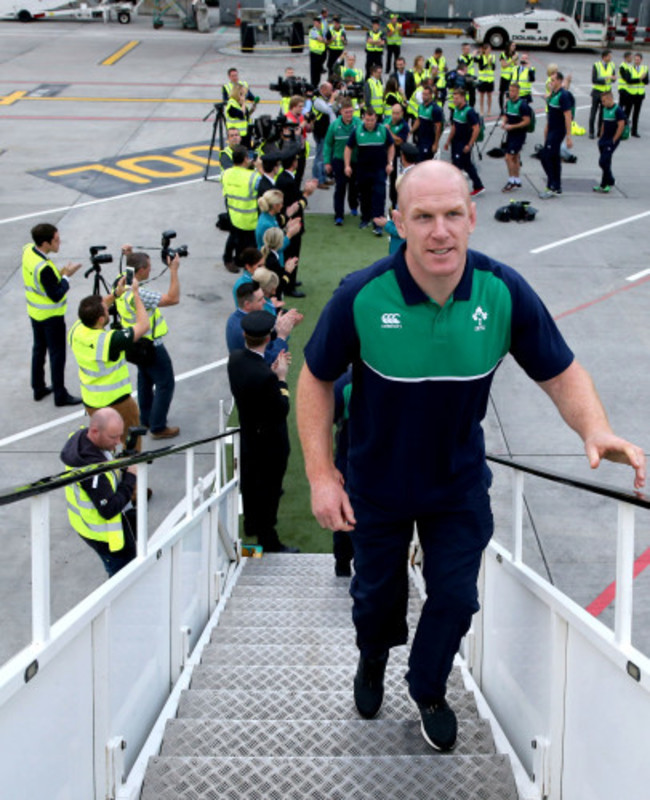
point(336, 138)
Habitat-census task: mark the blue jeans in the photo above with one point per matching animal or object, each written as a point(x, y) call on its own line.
point(318, 167)
point(156, 390)
point(453, 537)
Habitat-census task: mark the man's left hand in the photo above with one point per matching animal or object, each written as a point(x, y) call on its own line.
point(613, 448)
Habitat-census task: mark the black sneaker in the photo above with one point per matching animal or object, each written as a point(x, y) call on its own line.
point(438, 724)
point(369, 685)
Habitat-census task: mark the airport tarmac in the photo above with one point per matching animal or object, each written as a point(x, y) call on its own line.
point(115, 152)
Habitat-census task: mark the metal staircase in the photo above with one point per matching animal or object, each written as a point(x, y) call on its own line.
point(270, 712)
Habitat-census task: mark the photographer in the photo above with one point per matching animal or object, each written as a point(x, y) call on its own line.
point(324, 110)
point(296, 132)
point(99, 507)
point(100, 354)
point(155, 372)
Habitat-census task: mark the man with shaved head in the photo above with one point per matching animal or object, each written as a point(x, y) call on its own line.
point(99, 507)
point(425, 330)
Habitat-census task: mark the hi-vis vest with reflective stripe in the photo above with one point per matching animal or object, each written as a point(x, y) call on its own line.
point(39, 305)
point(486, 72)
point(373, 42)
point(102, 381)
point(604, 71)
point(314, 45)
point(227, 88)
point(637, 73)
point(521, 75)
point(441, 64)
point(376, 95)
point(235, 122)
point(394, 33)
point(239, 189)
point(336, 42)
point(126, 309)
point(88, 522)
point(508, 66)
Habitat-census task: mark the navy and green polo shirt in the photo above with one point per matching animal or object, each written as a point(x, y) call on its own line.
point(464, 119)
point(371, 147)
point(422, 373)
point(428, 115)
point(556, 105)
point(611, 117)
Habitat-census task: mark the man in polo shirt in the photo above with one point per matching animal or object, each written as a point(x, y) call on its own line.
point(558, 127)
point(425, 330)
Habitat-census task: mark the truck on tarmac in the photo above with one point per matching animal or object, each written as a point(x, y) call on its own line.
point(28, 10)
point(580, 23)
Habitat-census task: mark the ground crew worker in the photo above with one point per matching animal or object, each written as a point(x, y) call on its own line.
point(469, 60)
point(336, 138)
point(375, 155)
point(317, 52)
point(486, 71)
point(225, 156)
point(437, 65)
point(611, 130)
point(393, 41)
point(427, 127)
point(239, 186)
point(233, 78)
point(465, 128)
point(558, 126)
point(524, 75)
point(262, 399)
point(156, 377)
point(508, 61)
point(99, 507)
point(638, 82)
point(46, 288)
point(238, 114)
point(624, 76)
point(373, 92)
point(100, 354)
point(603, 75)
point(515, 121)
point(374, 46)
point(337, 41)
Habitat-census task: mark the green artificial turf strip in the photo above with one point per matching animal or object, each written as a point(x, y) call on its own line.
point(328, 253)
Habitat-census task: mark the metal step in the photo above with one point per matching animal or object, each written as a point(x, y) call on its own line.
point(337, 591)
point(289, 655)
point(308, 636)
point(448, 777)
point(319, 618)
point(297, 605)
point(335, 738)
point(248, 702)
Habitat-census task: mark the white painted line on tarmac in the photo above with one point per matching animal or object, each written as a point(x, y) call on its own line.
point(638, 275)
point(62, 209)
point(46, 426)
point(591, 232)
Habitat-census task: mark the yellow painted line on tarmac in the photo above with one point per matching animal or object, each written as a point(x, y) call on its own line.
point(118, 54)
point(127, 99)
point(10, 99)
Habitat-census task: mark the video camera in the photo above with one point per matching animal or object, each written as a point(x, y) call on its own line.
point(134, 433)
point(269, 131)
point(294, 85)
point(167, 252)
point(352, 90)
point(97, 257)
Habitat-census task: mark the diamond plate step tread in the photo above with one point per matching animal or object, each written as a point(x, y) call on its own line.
point(248, 703)
point(304, 590)
point(289, 635)
point(324, 578)
point(295, 559)
point(297, 605)
point(288, 655)
point(323, 618)
point(283, 678)
point(382, 778)
point(277, 739)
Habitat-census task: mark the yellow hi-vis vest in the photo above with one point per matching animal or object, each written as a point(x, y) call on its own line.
point(623, 85)
point(394, 32)
point(336, 42)
point(39, 305)
point(314, 45)
point(486, 74)
point(102, 381)
point(238, 185)
point(227, 88)
point(235, 122)
point(126, 309)
point(87, 521)
point(521, 75)
point(373, 42)
point(508, 66)
point(604, 71)
point(441, 64)
point(638, 73)
point(376, 95)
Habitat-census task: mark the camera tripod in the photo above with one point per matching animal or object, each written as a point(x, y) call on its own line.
point(218, 127)
point(100, 288)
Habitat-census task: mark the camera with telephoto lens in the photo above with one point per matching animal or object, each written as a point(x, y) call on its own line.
point(97, 257)
point(268, 131)
point(288, 87)
point(167, 252)
point(354, 90)
point(134, 433)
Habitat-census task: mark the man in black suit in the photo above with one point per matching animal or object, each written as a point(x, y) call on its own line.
point(270, 169)
point(262, 398)
point(404, 78)
point(290, 188)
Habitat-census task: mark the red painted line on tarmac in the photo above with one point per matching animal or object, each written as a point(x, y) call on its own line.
point(602, 298)
point(606, 597)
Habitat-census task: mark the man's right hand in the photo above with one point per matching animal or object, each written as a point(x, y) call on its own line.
point(294, 226)
point(281, 365)
point(330, 503)
point(70, 269)
point(287, 322)
point(291, 264)
point(328, 169)
point(348, 172)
